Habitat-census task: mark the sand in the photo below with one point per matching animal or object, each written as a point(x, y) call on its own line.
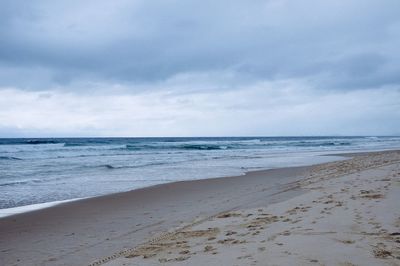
point(80, 232)
point(340, 213)
point(349, 215)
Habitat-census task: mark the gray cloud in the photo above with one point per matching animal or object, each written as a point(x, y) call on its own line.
point(189, 68)
point(333, 44)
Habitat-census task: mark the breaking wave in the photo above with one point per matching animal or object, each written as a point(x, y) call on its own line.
point(9, 158)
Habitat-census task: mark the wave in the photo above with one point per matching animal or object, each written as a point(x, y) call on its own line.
point(96, 145)
point(112, 167)
point(20, 182)
point(320, 144)
point(39, 141)
point(74, 144)
point(336, 144)
point(229, 145)
point(235, 157)
point(178, 147)
point(32, 181)
point(108, 166)
point(233, 145)
point(29, 142)
point(131, 147)
point(10, 158)
point(204, 147)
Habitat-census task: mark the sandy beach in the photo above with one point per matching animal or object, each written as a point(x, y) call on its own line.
point(205, 133)
point(339, 213)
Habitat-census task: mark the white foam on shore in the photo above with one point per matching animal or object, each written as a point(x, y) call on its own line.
point(32, 207)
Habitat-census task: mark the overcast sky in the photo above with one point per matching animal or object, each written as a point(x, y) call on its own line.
point(199, 68)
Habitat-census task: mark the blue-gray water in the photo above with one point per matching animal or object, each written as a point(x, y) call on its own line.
point(44, 170)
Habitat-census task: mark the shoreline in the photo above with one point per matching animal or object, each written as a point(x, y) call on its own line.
point(340, 155)
point(7, 212)
point(78, 232)
point(26, 209)
point(33, 207)
point(82, 231)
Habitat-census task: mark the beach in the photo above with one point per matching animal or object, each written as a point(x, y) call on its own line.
point(205, 133)
point(337, 213)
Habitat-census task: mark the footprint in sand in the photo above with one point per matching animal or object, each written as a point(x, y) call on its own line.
point(183, 252)
point(244, 257)
point(229, 233)
point(346, 241)
point(209, 248)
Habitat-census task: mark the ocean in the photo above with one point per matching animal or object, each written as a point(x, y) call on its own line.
point(46, 170)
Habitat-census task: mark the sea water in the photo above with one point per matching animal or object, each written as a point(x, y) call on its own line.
point(36, 171)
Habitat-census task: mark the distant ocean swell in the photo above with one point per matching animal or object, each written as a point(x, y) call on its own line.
point(151, 144)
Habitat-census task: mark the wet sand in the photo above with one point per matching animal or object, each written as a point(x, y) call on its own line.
point(80, 232)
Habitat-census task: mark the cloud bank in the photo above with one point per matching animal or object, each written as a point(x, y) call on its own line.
point(190, 68)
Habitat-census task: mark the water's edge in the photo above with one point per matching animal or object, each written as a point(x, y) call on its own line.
point(39, 206)
point(37, 171)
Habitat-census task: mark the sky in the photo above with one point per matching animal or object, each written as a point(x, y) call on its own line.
point(199, 68)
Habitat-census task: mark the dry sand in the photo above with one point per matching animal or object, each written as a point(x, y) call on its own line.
point(340, 213)
point(350, 215)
